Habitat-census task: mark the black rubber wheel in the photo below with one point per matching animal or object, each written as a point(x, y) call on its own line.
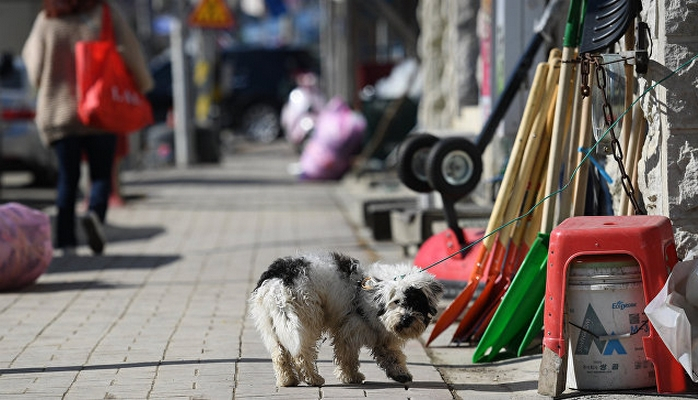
point(411, 161)
point(454, 166)
point(261, 123)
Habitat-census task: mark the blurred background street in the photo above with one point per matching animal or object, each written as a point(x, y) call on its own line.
point(368, 126)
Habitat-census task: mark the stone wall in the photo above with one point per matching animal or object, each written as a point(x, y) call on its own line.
point(668, 169)
point(437, 106)
point(448, 46)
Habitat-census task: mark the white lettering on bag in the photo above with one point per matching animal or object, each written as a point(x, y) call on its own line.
point(125, 96)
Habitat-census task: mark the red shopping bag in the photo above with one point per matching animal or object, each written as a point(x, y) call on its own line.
point(108, 98)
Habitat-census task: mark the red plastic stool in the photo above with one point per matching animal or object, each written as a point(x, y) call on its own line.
point(650, 241)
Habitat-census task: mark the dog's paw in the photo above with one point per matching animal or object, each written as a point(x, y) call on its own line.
point(287, 382)
point(315, 380)
point(401, 377)
point(358, 377)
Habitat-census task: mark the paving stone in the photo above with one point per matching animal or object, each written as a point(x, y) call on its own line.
point(163, 313)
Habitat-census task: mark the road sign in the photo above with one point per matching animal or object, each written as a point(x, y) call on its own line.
point(213, 14)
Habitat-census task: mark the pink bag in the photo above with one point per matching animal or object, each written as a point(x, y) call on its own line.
point(25, 245)
point(337, 140)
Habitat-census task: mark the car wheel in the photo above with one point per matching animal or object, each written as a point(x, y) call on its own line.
point(412, 157)
point(261, 123)
point(454, 167)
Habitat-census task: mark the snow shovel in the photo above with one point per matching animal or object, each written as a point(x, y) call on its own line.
point(519, 304)
point(487, 249)
point(521, 242)
point(560, 119)
point(528, 176)
point(501, 331)
point(533, 170)
point(579, 186)
point(454, 270)
point(495, 246)
point(605, 21)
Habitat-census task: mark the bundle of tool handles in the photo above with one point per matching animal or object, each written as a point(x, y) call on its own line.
point(616, 147)
point(540, 188)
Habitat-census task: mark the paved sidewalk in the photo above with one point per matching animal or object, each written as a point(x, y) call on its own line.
point(162, 315)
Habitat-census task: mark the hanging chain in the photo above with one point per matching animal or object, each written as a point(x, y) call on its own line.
point(600, 71)
point(584, 71)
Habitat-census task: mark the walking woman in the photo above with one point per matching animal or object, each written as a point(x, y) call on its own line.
point(50, 62)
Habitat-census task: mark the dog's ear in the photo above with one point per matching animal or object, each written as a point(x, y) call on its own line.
point(436, 288)
point(346, 264)
point(378, 300)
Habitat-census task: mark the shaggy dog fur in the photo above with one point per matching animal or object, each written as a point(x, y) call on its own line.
point(298, 299)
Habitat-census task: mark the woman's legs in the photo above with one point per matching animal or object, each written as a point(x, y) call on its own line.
point(99, 150)
point(68, 154)
point(100, 157)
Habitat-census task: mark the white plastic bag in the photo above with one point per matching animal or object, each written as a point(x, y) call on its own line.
point(674, 314)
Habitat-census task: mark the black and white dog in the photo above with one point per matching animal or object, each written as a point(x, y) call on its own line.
point(299, 298)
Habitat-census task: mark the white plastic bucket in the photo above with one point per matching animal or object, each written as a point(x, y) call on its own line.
point(606, 324)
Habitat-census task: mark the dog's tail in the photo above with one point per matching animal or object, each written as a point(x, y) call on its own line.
point(287, 328)
point(276, 317)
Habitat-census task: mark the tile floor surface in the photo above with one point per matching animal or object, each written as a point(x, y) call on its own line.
point(162, 314)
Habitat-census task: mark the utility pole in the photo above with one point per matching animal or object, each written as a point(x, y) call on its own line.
point(181, 89)
point(337, 46)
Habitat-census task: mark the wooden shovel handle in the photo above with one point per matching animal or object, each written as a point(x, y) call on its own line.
point(530, 111)
point(560, 125)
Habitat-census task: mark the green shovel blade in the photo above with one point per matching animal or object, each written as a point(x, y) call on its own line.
point(519, 304)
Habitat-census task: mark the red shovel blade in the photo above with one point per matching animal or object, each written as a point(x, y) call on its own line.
point(461, 301)
point(473, 314)
point(500, 287)
point(454, 272)
point(482, 325)
point(486, 297)
point(454, 309)
point(472, 331)
point(503, 285)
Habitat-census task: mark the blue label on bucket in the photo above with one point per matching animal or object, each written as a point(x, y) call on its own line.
point(591, 331)
point(620, 305)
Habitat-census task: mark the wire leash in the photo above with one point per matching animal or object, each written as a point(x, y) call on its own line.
point(611, 337)
point(574, 172)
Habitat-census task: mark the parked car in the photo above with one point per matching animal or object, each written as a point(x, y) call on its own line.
point(22, 148)
point(252, 84)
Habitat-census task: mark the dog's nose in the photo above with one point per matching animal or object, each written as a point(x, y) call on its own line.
point(406, 320)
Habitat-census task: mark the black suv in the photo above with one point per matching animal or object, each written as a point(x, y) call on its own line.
point(252, 83)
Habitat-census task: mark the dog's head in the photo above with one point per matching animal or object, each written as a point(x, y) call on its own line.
point(406, 300)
